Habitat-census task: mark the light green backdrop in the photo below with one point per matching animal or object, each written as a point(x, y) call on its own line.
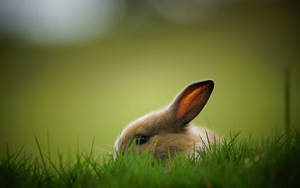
point(92, 90)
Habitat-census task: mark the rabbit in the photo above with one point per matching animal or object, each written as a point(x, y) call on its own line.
point(169, 131)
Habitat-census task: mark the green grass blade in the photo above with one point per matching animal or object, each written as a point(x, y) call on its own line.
point(287, 102)
point(41, 155)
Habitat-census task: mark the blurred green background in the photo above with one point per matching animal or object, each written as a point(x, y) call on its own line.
point(91, 85)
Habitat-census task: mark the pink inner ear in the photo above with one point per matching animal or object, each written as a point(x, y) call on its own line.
point(189, 101)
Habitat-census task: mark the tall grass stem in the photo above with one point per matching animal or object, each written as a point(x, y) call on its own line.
point(287, 102)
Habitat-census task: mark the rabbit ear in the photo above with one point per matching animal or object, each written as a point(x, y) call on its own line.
point(188, 103)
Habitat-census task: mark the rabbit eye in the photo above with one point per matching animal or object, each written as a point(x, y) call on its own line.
point(141, 139)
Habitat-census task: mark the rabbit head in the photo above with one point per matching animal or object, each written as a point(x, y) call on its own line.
point(169, 131)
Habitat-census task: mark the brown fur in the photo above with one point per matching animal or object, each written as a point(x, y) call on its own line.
point(169, 129)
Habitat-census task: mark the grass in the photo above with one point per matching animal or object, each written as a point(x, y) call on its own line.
point(272, 162)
